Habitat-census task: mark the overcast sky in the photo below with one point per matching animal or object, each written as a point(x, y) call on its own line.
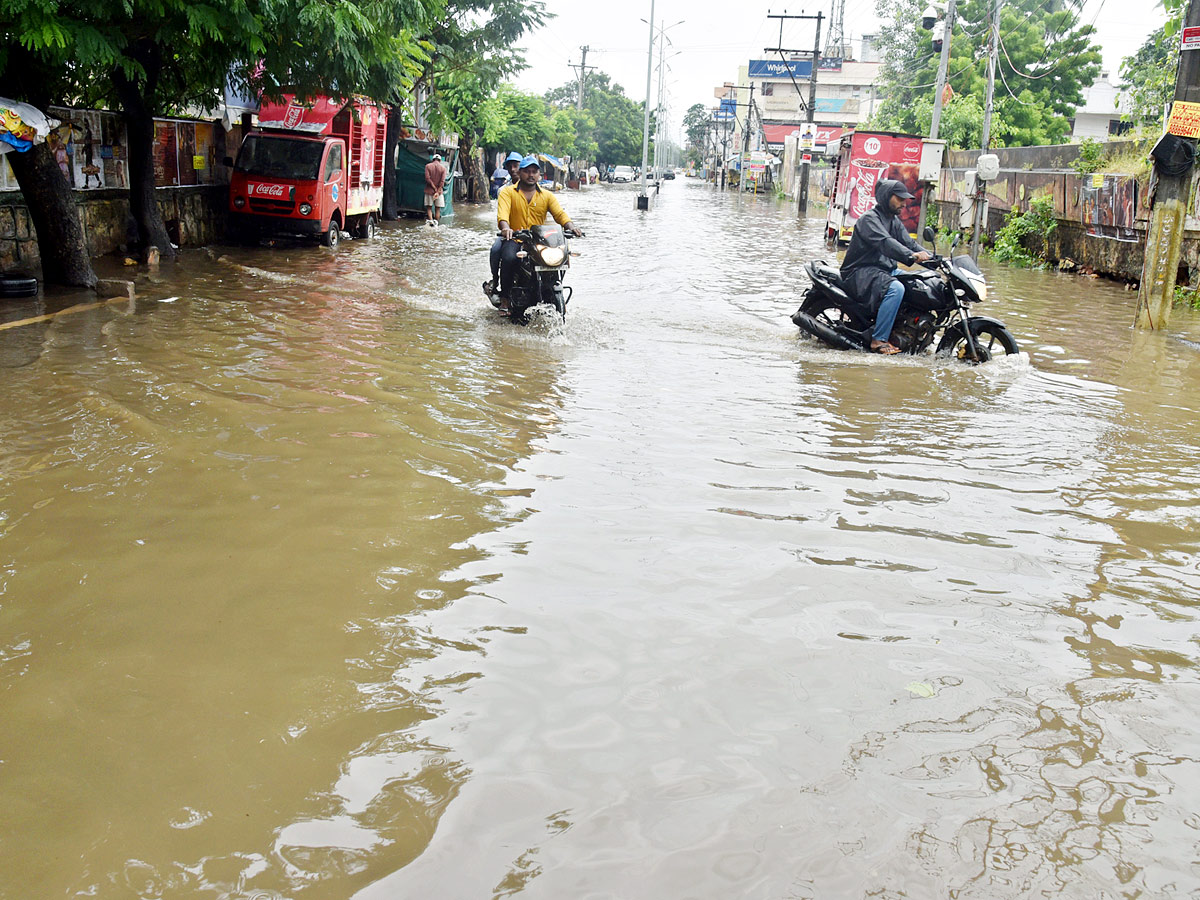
point(714, 38)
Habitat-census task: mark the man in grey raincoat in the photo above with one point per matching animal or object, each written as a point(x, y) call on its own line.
point(880, 241)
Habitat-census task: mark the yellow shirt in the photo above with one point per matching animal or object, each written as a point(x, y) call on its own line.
point(512, 207)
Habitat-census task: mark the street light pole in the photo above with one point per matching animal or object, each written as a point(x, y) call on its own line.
point(644, 198)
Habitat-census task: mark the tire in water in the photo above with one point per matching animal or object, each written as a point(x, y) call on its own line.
point(992, 339)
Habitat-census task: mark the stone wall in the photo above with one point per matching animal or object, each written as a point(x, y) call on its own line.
point(194, 216)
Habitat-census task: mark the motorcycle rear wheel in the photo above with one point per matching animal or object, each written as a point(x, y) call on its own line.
point(992, 339)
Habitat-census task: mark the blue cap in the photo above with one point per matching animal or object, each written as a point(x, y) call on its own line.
point(512, 157)
point(530, 161)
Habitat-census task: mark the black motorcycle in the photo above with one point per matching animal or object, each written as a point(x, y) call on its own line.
point(938, 299)
point(542, 262)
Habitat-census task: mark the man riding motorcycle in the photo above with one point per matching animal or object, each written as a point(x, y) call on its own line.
point(520, 206)
point(880, 241)
point(511, 164)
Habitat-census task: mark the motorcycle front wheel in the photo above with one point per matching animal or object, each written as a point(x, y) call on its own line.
point(991, 338)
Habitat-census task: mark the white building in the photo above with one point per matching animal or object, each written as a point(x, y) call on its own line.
point(1100, 115)
point(779, 88)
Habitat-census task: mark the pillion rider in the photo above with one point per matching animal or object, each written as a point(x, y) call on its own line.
point(524, 205)
point(880, 240)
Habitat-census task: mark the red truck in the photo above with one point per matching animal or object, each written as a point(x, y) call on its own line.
point(867, 157)
point(313, 168)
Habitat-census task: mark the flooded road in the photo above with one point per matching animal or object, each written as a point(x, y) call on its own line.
point(319, 580)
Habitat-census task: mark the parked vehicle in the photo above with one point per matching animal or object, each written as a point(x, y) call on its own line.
point(542, 264)
point(864, 159)
point(938, 299)
point(312, 169)
point(622, 175)
point(668, 174)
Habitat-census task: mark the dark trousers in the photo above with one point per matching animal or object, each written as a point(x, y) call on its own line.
point(508, 264)
point(494, 256)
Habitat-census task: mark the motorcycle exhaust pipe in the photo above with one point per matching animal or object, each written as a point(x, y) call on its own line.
point(823, 332)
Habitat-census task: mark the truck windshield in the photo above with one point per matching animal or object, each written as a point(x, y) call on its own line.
point(279, 157)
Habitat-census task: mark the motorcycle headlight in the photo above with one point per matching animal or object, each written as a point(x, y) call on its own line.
point(305, 209)
point(980, 287)
point(551, 256)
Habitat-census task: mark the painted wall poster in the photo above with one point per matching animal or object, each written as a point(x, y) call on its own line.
point(1108, 206)
point(166, 155)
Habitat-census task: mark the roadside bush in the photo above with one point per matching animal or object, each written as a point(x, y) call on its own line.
point(1091, 157)
point(1026, 234)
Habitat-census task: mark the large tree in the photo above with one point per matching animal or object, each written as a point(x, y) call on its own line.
point(1046, 60)
point(613, 122)
point(1148, 77)
point(472, 51)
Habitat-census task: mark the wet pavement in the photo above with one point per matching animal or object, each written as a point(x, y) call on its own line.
point(319, 579)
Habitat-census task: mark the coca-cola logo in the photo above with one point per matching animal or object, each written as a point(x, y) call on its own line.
point(871, 146)
point(268, 190)
point(292, 117)
point(912, 151)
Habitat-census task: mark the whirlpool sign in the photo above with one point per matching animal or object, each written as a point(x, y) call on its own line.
point(794, 68)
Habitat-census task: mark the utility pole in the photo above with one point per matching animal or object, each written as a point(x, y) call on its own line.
point(583, 70)
point(1156, 291)
point(802, 187)
point(940, 88)
point(981, 192)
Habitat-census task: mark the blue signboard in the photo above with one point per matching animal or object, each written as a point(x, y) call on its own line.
point(799, 69)
point(781, 68)
point(727, 111)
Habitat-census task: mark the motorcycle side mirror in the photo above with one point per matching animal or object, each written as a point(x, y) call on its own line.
point(930, 236)
point(954, 243)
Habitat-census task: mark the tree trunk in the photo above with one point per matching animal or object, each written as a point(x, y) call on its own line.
point(143, 205)
point(472, 170)
point(391, 206)
point(61, 239)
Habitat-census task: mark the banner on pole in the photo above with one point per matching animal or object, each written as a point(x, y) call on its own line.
point(1185, 119)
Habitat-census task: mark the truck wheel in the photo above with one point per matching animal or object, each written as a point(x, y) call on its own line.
point(366, 229)
point(333, 234)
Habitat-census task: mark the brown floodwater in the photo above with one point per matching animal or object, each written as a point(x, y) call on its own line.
point(319, 580)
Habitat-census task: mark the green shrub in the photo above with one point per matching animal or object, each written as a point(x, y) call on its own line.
point(1091, 157)
point(1021, 230)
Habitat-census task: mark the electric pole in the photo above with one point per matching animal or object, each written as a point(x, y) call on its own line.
point(981, 188)
point(802, 187)
point(1173, 162)
point(583, 68)
point(940, 88)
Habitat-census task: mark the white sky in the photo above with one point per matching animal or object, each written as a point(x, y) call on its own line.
point(715, 38)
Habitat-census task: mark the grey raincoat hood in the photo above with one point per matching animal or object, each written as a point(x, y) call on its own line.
point(879, 242)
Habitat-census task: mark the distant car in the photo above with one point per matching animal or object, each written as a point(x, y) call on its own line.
point(622, 175)
point(669, 174)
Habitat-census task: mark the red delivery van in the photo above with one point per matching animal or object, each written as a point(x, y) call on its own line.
point(312, 168)
point(864, 159)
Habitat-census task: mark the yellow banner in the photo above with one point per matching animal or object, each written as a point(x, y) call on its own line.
point(1185, 119)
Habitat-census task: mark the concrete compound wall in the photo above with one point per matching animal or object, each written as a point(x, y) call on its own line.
point(194, 216)
point(1030, 172)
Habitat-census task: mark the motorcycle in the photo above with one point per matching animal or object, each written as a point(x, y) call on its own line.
point(542, 262)
point(937, 299)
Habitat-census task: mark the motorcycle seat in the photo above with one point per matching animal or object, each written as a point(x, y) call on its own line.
point(830, 277)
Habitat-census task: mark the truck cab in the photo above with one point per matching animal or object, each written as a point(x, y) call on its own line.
point(312, 169)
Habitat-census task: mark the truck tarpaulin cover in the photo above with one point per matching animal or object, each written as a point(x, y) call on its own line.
point(312, 117)
point(877, 156)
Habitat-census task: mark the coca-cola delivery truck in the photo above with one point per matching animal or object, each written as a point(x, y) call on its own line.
point(865, 158)
point(314, 168)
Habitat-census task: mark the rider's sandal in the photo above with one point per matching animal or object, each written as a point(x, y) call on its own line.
point(886, 349)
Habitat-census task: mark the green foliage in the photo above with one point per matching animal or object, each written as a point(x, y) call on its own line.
point(1091, 157)
point(1187, 296)
point(1046, 61)
point(1034, 226)
point(1148, 77)
point(695, 126)
point(613, 122)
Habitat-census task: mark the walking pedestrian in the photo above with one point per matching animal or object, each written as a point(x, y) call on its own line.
point(435, 190)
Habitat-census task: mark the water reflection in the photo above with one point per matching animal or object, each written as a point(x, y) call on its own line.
point(318, 579)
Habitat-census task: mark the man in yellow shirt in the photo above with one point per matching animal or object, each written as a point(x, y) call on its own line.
point(523, 205)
